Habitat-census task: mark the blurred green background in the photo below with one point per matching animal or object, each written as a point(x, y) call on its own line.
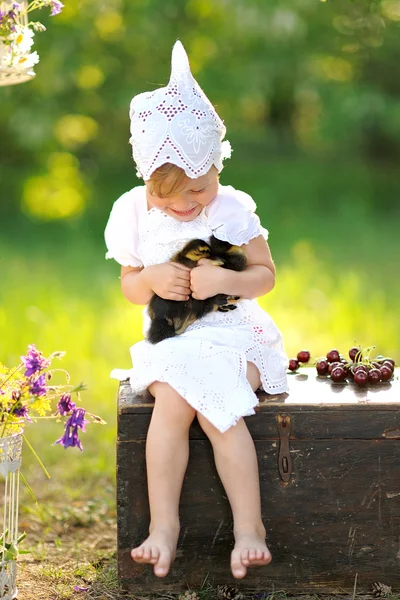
point(310, 94)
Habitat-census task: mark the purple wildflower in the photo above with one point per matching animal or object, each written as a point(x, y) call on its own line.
point(38, 387)
point(21, 412)
point(34, 361)
point(78, 418)
point(78, 588)
point(2, 15)
point(65, 404)
point(75, 422)
point(16, 6)
point(56, 7)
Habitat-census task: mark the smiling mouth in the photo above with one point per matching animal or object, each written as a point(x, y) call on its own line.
point(183, 212)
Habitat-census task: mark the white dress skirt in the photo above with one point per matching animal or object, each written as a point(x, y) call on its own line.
point(206, 364)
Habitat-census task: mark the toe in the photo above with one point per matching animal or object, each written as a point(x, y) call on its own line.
point(267, 557)
point(259, 555)
point(147, 553)
point(245, 556)
point(162, 567)
point(137, 553)
point(252, 554)
point(238, 569)
point(155, 555)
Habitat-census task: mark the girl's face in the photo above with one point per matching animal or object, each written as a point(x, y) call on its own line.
point(187, 204)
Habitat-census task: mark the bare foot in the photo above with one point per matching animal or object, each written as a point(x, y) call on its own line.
point(159, 550)
point(250, 549)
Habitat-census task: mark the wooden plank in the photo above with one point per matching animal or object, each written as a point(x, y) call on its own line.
point(318, 423)
point(339, 515)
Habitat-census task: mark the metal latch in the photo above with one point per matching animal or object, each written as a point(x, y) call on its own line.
point(284, 460)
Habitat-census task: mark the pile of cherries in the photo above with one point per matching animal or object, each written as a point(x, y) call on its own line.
point(361, 368)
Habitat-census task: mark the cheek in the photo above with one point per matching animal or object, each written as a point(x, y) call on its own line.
point(160, 203)
point(206, 198)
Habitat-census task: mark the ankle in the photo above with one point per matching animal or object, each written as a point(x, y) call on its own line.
point(167, 525)
point(249, 528)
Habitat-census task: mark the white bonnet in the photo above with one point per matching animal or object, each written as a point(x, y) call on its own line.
point(177, 124)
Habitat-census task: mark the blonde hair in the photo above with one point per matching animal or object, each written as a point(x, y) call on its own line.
point(167, 180)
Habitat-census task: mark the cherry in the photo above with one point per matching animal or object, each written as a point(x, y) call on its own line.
point(353, 352)
point(303, 356)
point(386, 373)
point(374, 376)
point(333, 356)
point(361, 377)
point(293, 364)
point(333, 365)
point(389, 364)
point(322, 367)
point(391, 361)
point(338, 374)
point(361, 368)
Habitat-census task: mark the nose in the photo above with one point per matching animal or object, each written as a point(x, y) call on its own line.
point(180, 204)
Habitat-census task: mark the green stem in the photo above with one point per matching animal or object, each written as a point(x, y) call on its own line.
point(28, 486)
point(10, 375)
point(36, 456)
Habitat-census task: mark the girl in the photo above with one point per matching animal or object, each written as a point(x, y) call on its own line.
point(212, 370)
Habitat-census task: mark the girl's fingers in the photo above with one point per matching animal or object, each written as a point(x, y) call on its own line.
point(181, 267)
point(177, 296)
point(184, 275)
point(180, 289)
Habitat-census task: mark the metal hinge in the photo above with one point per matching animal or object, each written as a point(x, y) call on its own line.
point(284, 460)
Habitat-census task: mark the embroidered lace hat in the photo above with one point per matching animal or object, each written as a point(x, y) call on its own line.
point(177, 124)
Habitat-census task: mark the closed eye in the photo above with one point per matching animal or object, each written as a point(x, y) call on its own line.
point(198, 191)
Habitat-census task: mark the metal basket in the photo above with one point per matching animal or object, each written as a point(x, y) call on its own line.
point(11, 75)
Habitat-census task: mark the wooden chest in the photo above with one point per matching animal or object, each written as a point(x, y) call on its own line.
point(329, 460)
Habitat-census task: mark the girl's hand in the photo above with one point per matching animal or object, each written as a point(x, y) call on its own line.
point(206, 280)
point(169, 280)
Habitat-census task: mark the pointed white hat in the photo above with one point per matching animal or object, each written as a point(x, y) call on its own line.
point(177, 124)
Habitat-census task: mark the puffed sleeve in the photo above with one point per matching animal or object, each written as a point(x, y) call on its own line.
point(121, 233)
point(232, 218)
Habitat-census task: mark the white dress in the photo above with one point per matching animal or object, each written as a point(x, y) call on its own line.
point(207, 363)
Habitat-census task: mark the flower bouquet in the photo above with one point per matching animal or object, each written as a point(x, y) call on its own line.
point(27, 394)
point(16, 38)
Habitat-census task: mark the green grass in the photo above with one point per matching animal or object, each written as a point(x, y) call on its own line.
point(336, 257)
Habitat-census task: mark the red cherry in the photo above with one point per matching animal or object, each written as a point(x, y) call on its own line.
point(374, 376)
point(386, 373)
point(333, 356)
point(338, 374)
point(353, 352)
point(391, 361)
point(388, 364)
point(322, 367)
point(361, 368)
point(293, 364)
point(333, 365)
point(303, 356)
point(361, 377)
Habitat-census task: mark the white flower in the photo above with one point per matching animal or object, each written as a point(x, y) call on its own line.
point(23, 39)
point(27, 62)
